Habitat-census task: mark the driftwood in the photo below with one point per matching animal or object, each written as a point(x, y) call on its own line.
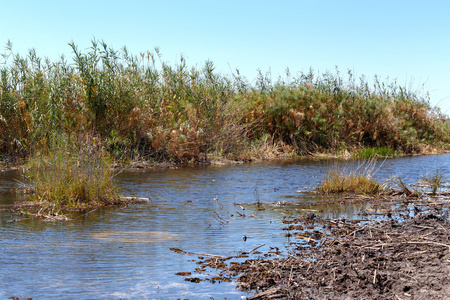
point(219, 218)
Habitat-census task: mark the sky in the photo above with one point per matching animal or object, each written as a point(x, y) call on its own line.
point(403, 40)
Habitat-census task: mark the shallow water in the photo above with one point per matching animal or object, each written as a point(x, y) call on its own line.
point(125, 252)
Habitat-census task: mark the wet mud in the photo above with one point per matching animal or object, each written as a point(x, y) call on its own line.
point(403, 254)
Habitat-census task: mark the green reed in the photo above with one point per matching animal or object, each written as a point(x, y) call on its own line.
point(140, 107)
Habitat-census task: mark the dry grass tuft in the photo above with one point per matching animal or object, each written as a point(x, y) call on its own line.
point(73, 177)
point(351, 181)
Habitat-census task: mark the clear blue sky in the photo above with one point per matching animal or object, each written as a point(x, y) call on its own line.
point(404, 39)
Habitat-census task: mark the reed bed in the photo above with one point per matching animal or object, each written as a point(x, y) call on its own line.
point(140, 107)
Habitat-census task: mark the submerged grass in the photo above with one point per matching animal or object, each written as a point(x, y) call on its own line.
point(73, 177)
point(140, 107)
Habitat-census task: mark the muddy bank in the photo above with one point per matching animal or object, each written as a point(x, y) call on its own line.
point(404, 256)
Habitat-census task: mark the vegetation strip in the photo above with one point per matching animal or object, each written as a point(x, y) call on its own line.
point(140, 108)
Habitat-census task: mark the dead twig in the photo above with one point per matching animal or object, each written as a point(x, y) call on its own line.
point(219, 218)
point(257, 247)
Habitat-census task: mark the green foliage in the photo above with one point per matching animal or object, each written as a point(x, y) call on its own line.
point(142, 107)
point(368, 152)
point(324, 113)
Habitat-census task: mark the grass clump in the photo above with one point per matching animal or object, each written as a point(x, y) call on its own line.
point(338, 181)
point(73, 177)
point(351, 181)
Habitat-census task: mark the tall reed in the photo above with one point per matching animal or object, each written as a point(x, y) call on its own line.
point(139, 106)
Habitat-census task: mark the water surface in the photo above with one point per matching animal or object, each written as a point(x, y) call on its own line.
point(125, 252)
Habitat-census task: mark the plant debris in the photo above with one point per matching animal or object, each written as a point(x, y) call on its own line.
point(405, 255)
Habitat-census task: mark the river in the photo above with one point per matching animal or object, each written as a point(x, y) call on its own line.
point(124, 253)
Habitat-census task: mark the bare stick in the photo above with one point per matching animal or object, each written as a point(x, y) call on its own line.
point(219, 218)
point(248, 252)
point(241, 215)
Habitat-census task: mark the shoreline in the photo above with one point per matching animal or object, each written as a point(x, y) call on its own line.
point(147, 165)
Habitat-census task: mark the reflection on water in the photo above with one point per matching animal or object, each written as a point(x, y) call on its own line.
point(125, 252)
point(134, 236)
